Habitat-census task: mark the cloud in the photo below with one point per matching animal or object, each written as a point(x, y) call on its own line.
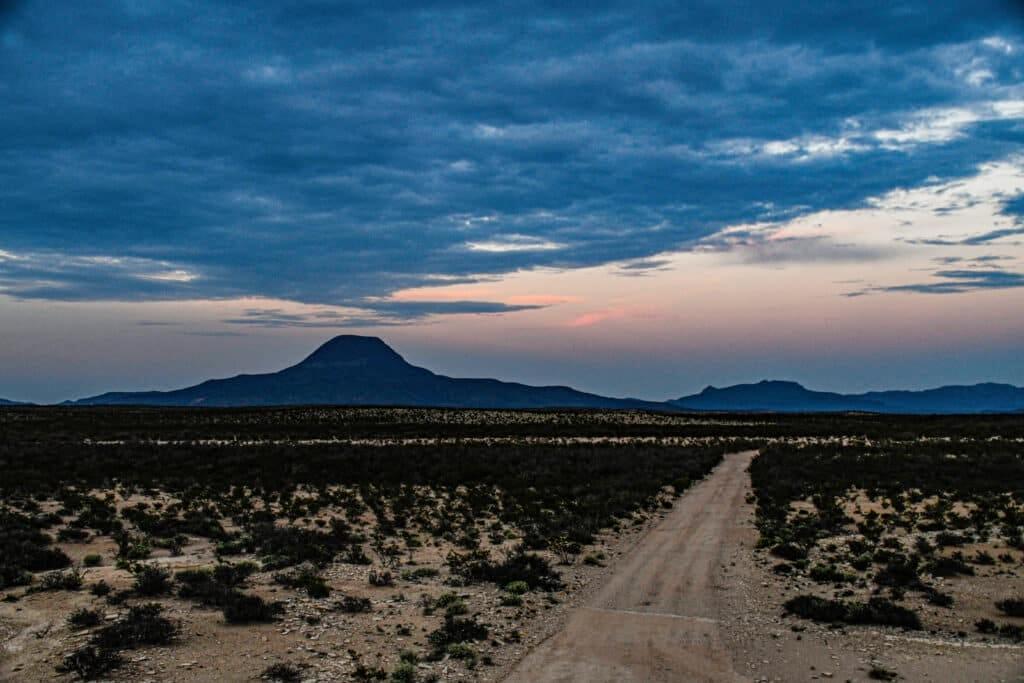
point(331, 154)
point(372, 313)
point(643, 267)
point(956, 282)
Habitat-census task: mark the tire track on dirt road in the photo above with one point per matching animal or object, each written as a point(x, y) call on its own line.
point(656, 619)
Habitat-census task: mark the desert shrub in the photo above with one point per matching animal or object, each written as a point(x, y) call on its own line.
point(876, 611)
point(948, 566)
point(533, 570)
point(463, 652)
point(282, 672)
point(92, 560)
point(945, 539)
point(511, 600)
point(295, 545)
point(455, 630)
point(24, 549)
point(983, 558)
point(143, 625)
point(216, 587)
point(91, 662)
point(152, 580)
point(132, 546)
point(900, 570)
point(67, 580)
point(789, 551)
point(353, 605)
point(1011, 607)
point(877, 673)
point(307, 578)
point(938, 598)
point(84, 617)
point(380, 579)
point(829, 573)
point(416, 575)
point(245, 609)
point(72, 535)
point(517, 587)
point(986, 626)
point(100, 589)
point(405, 672)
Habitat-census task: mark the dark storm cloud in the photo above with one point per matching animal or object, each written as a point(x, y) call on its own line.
point(331, 153)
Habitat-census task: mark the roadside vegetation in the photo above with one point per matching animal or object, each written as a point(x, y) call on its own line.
point(895, 531)
point(482, 532)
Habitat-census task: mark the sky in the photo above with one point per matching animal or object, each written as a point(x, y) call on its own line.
point(633, 198)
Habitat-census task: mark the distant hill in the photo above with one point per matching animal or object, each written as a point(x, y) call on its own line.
point(776, 396)
point(772, 396)
point(356, 370)
point(5, 402)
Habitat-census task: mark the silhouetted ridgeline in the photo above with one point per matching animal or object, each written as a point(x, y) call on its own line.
point(364, 371)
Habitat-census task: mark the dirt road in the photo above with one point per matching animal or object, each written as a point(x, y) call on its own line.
point(657, 617)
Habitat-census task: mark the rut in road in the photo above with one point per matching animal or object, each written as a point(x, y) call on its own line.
point(656, 619)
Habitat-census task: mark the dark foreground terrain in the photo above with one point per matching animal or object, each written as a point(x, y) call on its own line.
point(427, 544)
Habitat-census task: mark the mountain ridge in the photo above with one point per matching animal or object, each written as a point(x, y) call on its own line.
point(788, 396)
point(356, 370)
point(360, 370)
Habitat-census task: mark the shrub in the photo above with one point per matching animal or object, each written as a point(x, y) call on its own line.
point(456, 630)
point(91, 662)
point(68, 580)
point(72, 535)
point(151, 580)
point(404, 673)
point(100, 589)
point(948, 566)
point(877, 673)
point(985, 626)
point(84, 618)
point(518, 565)
point(244, 609)
point(415, 575)
point(353, 605)
point(829, 573)
point(463, 652)
point(143, 625)
point(1011, 607)
point(282, 672)
point(92, 560)
point(381, 579)
point(899, 571)
point(306, 578)
point(938, 598)
point(876, 611)
point(789, 551)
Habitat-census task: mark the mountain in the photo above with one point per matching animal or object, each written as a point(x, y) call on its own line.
point(790, 397)
point(356, 370)
point(772, 396)
point(5, 402)
point(975, 398)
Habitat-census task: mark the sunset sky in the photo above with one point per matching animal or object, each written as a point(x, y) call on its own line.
point(631, 198)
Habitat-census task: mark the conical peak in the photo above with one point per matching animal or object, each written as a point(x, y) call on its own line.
point(354, 350)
